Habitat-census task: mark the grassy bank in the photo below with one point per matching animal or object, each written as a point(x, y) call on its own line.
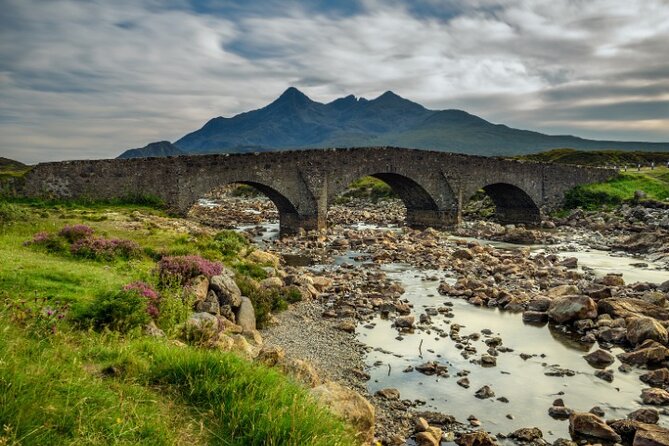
point(598, 157)
point(63, 383)
point(621, 189)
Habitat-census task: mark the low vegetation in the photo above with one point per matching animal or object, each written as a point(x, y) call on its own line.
point(75, 364)
point(367, 188)
point(622, 188)
point(619, 158)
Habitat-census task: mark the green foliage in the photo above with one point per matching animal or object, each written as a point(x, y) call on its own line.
point(598, 157)
point(266, 300)
point(9, 212)
point(115, 310)
point(619, 189)
point(175, 306)
point(230, 243)
point(249, 269)
point(368, 188)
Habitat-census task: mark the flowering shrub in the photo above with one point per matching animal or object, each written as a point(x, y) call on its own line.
point(40, 317)
point(135, 305)
point(47, 241)
point(185, 268)
point(147, 292)
point(99, 248)
point(75, 232)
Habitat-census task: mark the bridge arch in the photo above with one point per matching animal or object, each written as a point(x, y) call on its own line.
point(290, 209)
point(512, 204)
point(428, 203)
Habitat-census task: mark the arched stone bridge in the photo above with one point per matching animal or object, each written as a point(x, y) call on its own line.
point(433, 185)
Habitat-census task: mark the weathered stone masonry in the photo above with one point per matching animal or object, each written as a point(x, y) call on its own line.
point(433, 185)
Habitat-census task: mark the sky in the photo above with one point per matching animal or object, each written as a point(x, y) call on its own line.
point(89, 79)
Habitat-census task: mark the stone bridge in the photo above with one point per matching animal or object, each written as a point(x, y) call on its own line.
point(303, 183)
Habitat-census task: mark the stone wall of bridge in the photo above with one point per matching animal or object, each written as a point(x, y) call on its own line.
point(433, 185)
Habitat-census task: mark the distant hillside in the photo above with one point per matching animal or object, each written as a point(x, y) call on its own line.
point(12, 168)
point(295, 121)
point(160, 148)
point(599, 157)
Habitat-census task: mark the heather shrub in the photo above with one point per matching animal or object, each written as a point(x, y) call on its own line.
point(98, 248)
point(75, 232)
point(47, 241)
point(181, 269)
point(229, 243)
point(133, 306)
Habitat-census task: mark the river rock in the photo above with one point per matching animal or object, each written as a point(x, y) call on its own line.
point(349, 405)
point(612, 279)
point(656, 378)
point(540, 304)
point(346, 326)
point(209, 304)
point(600, 358)
point(591, 426)
point(641, 328)
point(484, 392)
point(562, 290)
point(655, 396)
point(573, 307)
point(271, 282)
point(649, 352)
point(559, 412)
point(651, 436)
point(246, 315)
point(649, 416)
point(226, 289)
point(199, 287)
point(264, 258)
point(535, 317)
point(405, 322)
point(631, 307)
point(271, 355)
point(429, 437)
point(527, 434)
point(389, 394)
point(478, 438)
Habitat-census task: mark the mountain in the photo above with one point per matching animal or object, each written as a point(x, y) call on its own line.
point(7, 164)
point(294, 121)
point(160, 148)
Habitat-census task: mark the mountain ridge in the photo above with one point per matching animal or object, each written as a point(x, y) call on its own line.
point(295, 121)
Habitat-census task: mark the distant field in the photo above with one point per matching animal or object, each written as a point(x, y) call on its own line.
point(598, 157)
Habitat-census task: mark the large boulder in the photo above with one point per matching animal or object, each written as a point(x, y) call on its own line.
point(651, 435)
point(478, 438)
point(649, 352)
point(246, 315)
point(641, 328)
point(209, 304)
point(264, 258)
point(349, 405)
point(573, 307)
point(655, 396)
point(199, 286)
point(631, 307)
point(600, 358)
point(591, 426)
point(226, 289)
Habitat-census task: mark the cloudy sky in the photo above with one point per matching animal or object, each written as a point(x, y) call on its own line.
point(89, 79)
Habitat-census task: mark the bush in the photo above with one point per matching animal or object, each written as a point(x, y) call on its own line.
point(75, 232)
point(9, 212)
point(40, 317)
point(48, 242)
point(98, 248)
point(133, 306)
point(266, 300)
point(184, 268)
point(230, 243)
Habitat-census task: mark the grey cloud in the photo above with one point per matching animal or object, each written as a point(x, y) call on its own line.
point(90, 79)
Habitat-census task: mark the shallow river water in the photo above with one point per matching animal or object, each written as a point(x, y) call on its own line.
point(523, 382)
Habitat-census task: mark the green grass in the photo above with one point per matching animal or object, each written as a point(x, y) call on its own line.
point(620, 189)
point(598, 157)
point(368, 188)
point(81, 387)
